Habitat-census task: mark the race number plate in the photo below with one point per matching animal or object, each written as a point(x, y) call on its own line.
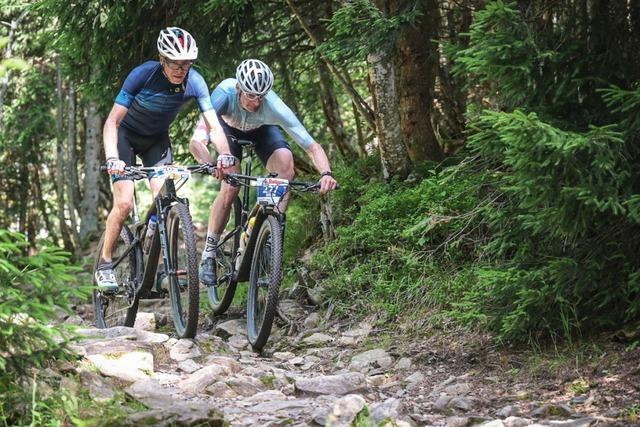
point(172, 172)
point(271, 190)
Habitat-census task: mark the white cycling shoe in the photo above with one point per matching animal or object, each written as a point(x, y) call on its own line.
point(106, 280)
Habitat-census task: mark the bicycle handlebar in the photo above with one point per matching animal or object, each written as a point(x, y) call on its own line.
point(302, 186)
point(140, 172)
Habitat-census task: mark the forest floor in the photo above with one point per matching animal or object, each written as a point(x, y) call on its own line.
point(321, 369)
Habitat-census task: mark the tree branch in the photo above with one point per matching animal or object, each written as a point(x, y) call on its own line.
point(361, 105)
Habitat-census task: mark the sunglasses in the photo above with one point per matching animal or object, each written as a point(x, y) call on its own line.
point(253, 96)
point(175, 66)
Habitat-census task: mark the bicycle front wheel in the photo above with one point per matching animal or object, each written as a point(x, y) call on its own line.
point(264, 282)
point(118, 309)
point(183, 271)
point(221, 295)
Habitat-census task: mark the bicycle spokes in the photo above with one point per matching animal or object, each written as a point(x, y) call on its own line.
point(221, 295)
point(119, 309)
point(183, 277)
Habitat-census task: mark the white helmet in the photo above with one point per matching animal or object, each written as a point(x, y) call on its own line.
point(254, 77)
point(177, 44)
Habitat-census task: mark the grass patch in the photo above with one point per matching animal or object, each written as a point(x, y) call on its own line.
point(268, 381)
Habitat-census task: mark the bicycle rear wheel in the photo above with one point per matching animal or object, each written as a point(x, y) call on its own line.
point(221, 295)
point(264, 282)
point(183, 271)
point(119, 309)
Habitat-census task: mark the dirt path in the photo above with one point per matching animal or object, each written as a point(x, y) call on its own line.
point(315, 372)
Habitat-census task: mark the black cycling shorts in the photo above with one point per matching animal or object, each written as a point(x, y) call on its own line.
point(154, 150)
point(268, 138)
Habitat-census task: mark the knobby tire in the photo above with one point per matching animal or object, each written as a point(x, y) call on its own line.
point(116, 310)
point(182, 257)
point(264, 282)
point(221, 296)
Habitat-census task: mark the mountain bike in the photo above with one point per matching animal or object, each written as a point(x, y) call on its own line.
point(136, 271)
point(251, 246)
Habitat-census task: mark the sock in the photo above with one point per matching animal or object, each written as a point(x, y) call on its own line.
point(104, 265)
point(210, 245)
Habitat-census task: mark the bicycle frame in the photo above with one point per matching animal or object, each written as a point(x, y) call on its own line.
point(166, 198)
point(260, 212)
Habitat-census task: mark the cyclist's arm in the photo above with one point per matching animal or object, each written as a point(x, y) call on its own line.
point(321, 162)
point(201, 135)
point(319, 158)
point(290, 123)
point(208, 127)
point(110, 131)
point(215, 132)
point(130, 88)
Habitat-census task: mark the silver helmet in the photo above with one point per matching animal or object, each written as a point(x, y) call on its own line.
point(254, 77)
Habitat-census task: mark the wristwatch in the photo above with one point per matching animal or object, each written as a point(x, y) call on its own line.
point(326, 173)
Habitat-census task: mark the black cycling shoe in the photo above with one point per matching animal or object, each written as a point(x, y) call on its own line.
point(207, 271)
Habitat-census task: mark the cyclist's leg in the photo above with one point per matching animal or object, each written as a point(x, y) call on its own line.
point(157, 154)
point(122, 194)
point(221, 206)
point(275, 154)
point(122, 204)
point(219, 212)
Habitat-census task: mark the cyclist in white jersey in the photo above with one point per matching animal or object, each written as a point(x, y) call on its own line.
point(248, 109)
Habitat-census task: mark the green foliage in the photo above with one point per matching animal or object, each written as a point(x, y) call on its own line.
point(562, 182)
point(626, 105)
point(36, 288)
point(531, 236)
point(359, 27)
point(17, 64)
point(559, 257)
point(53, 404)
point(410, 245)
point(517, 59)
point(502, 53)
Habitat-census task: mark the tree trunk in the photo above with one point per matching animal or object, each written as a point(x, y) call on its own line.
point(64, 229)
point(362, 150)
point(452, 94)
point(72, 162)
point(395, 161)
point(32, 224)
point(291, 98)
point(332, 112)
point(418, 68)
point(23, 201)
point(42, 205)
point(8, 54)
point(89, 204)
point(326, 220)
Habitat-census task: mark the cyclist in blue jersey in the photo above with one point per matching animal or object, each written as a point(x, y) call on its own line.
point(247, 108)
point(138, 124)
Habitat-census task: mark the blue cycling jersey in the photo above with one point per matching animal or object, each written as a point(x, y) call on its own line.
point(272, 111)
point(154, 102)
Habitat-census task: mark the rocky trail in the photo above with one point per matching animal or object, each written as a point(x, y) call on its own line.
point(321, 372)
